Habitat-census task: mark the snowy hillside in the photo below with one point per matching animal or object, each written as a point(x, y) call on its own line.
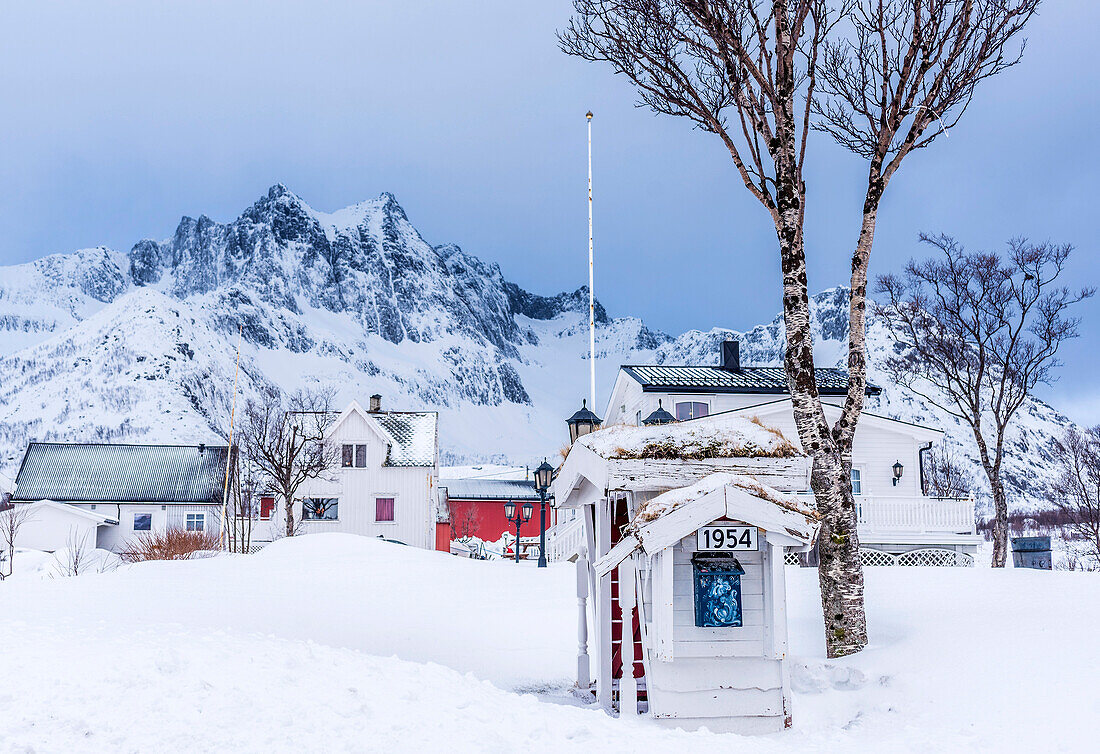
point(101, 345)
point(333, 642)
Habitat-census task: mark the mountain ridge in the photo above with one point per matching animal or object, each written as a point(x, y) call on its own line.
point(99, 343)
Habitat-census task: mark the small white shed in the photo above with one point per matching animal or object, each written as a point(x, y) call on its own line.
point(51, 526)
point(705, 563)
point(645, 495)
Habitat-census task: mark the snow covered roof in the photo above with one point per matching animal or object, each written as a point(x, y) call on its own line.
point(489, 489)
point(713, 379)
point(718, 436)
point(413, 434)
point(121, 473)
point(667, 518)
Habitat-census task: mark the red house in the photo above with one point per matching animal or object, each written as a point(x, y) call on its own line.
point(476, 507)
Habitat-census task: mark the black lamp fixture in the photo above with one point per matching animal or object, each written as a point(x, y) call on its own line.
point(582, 423)
point(525, 515)
point(544, 475)
point(658, 417)
point(898, 469)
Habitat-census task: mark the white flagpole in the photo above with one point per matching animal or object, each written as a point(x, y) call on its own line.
point(591, 294)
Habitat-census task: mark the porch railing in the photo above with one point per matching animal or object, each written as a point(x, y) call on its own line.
point(564, 540)
point(916, 514)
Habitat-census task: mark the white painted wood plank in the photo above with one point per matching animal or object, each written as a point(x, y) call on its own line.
point(686, 649)
point(663, 607)
point(721, 703)
point(784, 474)
point(700, 674)
point(691, 632)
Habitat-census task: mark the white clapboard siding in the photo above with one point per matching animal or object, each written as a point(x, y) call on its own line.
point(720, 703)
point(652, 474)
point(698, 674)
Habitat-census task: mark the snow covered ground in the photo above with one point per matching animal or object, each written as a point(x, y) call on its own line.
point(336, 643)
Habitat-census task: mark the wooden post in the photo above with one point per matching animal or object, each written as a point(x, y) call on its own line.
point(583, 675)
point(775, 612)
point(628, 685)
point(603, 605)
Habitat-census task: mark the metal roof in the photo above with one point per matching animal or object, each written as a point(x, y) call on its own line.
point(490, 489)
point(75, 472)
point(711, 379)
point(414, 436)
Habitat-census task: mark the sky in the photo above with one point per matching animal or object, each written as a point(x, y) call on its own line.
point(117, 118)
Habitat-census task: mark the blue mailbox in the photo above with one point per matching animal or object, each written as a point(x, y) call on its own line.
point(717, 589)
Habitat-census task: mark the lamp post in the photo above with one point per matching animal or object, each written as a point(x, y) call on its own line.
point(523, 517)
point(544, 475)
point(582, 423)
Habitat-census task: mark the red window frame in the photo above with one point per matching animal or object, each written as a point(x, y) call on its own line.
point(267, 507)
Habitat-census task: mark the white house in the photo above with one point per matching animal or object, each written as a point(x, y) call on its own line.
point(898, 523)
point(657, 504)
point(124, 490)
point(387, 483)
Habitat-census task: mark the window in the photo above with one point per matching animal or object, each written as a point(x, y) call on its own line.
point(195, 522)
point(143, 522)
point(320, 508)
point(354, 456)
point(638, 419)
point(383, 509)
point(691, 410)
point(267, 507)
point(857, 482)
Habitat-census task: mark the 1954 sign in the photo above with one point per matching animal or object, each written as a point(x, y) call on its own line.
point(727, 538)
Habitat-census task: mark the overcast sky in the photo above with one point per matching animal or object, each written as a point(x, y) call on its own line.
point(119, 117)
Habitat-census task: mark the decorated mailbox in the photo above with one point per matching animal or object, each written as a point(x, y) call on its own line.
point(706, 562)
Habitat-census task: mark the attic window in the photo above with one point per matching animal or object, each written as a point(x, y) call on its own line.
point(354, 456)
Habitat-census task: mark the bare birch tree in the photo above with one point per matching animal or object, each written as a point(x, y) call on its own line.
point(11, 521)
point(978, 332)
point(748, 71)
point(283, 437)
point(1076, 494)
point(944, 474)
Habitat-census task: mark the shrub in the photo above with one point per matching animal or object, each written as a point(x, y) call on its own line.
point(170, 544)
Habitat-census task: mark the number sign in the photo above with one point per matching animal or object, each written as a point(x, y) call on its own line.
point(727, 538)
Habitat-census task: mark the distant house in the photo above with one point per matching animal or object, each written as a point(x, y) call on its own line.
point(123, 489)
point(475, 508)
point(898, 523)
point(387, 482)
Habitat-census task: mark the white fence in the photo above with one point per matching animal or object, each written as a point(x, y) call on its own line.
point(564, 540)
point(916, 514)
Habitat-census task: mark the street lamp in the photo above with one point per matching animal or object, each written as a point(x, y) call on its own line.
point(544, 475)
point(898, 469)
point(658, 417)
point(524, 517)
point(582, 422)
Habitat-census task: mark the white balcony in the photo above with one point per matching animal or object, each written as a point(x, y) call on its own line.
point(914, 515)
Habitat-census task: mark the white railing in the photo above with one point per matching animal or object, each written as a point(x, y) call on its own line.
point(916, 514)
point(564, 540)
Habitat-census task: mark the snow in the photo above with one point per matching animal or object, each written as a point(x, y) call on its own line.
point(667, 502)
point(717, 436)
point(334, 643)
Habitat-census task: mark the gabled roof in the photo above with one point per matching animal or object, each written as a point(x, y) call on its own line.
point(410, 435)
point(96, 517)
point(77, 472)
point(489, 489)
point(664, 520)
point(712, 379)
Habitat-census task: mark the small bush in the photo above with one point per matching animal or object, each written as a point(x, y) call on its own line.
point(170, 544)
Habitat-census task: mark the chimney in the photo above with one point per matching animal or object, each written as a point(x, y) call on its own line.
point(375, 403)
point(731, 356)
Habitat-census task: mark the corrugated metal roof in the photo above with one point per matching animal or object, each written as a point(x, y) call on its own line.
point(489, 489)
point(830, 380)
point(414, 436)
point(120, 473)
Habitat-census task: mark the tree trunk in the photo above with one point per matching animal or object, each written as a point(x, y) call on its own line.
point(840, 572)
point(1000, 522)
point(289, 498)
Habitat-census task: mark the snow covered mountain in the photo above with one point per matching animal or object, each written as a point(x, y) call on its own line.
point(101, 345)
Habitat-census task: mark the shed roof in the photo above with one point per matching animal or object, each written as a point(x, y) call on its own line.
point(666, 519)
point(713, 379)
point(81, 472)
point(489, 489)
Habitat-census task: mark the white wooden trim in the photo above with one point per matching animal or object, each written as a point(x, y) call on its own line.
point(663, 610)
point(628, 684)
